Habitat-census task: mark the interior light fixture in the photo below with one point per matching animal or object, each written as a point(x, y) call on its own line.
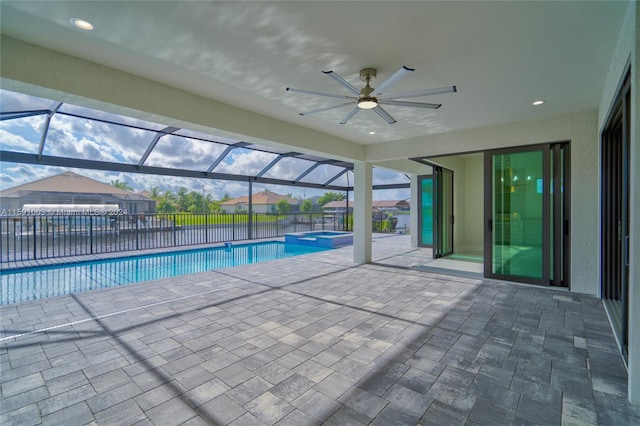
point(367, 103)
point(538, 102)
point(372, 133)
point(83, 24)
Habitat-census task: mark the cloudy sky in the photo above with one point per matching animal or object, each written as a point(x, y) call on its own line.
point(70, 136)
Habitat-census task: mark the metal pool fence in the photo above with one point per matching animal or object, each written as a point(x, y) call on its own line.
point(24, 238)
point(34, 237)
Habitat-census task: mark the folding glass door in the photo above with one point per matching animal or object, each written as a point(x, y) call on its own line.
point(526, 214)
point(443, 212)
point(436, 211)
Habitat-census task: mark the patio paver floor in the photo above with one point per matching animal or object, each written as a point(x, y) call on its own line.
point(314, 340)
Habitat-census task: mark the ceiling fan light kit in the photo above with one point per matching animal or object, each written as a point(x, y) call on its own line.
point(372, 99)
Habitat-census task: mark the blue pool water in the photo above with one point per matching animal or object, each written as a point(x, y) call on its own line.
point(41, 282)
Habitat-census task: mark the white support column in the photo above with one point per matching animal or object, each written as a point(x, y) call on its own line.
point(415, 211)
point(362, 193)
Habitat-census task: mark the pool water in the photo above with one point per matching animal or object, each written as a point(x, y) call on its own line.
point(20, 285)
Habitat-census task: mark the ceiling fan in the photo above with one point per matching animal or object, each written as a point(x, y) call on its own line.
point(373, 99)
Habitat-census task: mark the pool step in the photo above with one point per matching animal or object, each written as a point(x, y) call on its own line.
point(307, 239)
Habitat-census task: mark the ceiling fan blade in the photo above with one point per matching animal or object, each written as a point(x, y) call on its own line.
point(426, 92)
point(313, 92)
point(351, 114)
point(385, 85)
point(343, 82)
point(384, 114)
point(408, 104)
point(325, 109)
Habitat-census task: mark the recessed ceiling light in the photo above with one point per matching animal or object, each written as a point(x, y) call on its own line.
point(83, 24)
point(372, 133)
point(536, 103)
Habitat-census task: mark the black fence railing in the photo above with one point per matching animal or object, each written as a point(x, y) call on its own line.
point(24, 238)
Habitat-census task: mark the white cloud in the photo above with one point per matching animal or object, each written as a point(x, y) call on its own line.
point(245, 162)
point(15, 142)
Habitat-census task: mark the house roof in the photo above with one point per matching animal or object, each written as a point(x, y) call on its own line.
point(381, 203)
point(70, 182)
point(337, 204)
point(265, 197)
point(389, 203)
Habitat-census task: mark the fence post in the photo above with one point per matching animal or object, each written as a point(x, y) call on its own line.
point(34, 239)
point(174, 230)
point(91, 234)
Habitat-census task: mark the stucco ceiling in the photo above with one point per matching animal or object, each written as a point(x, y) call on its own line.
point(501, 55)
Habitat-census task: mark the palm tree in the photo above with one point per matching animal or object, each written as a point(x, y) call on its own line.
point(122, 185)
point(155, 193)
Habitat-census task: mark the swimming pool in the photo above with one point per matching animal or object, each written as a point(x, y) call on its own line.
point(19, 285)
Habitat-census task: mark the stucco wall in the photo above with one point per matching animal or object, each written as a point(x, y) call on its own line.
point(473, 238)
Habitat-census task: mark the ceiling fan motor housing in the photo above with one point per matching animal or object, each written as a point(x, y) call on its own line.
point(366, 101)
point(368, 74)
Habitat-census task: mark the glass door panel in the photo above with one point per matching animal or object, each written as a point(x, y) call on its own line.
point(445, 212)
point(426, 210)
point(517, 239)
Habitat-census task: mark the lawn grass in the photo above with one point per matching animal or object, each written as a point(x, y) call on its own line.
point(188, 219)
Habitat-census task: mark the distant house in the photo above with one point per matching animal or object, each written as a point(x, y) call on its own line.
point(262, 202)
point(71, 188)
point(338, 207)
point(390, 205)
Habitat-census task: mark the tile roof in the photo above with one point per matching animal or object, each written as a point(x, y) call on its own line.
point(337, 204)
point(265, 197)
point(389, 203)
point(70, 182)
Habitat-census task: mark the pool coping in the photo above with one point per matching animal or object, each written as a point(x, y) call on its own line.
point(69, 260)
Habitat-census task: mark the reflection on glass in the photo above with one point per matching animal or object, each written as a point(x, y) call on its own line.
point(517, 214)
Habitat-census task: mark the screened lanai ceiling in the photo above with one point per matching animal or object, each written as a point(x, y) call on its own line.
point(42, 131)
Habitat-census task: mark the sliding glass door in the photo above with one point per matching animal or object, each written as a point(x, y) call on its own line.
point(526, 237)
point(615, 215)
